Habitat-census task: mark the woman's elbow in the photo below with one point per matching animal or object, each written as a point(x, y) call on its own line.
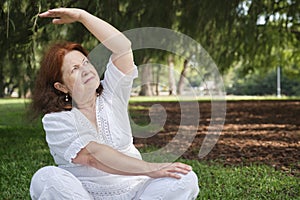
point(83, 157)
point(125, 47)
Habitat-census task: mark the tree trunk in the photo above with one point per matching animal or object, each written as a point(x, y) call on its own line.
point(157, 81)
point(146, 89)
point(172, 85)
point(1, 81)
point(182, 77)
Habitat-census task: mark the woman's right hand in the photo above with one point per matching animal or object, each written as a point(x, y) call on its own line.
point(63, 15)
point(172, 170)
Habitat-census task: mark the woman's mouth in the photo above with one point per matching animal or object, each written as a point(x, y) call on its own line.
point(87, 80)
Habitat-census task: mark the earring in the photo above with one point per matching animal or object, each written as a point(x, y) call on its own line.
point(68, 104)
point(67, 98)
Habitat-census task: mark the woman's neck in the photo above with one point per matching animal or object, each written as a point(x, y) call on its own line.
point(89, 103)
point(88, 109)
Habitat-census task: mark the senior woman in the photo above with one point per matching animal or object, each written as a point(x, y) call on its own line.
point(91, 140)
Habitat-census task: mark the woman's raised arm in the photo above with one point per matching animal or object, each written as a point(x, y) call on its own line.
point(109, 36)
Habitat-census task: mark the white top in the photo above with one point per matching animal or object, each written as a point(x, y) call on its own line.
point(67, 132)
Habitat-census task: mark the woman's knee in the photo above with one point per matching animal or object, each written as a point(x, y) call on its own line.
point(53, 182)
point(191, 181)
point(40, 181)
point(185, 188)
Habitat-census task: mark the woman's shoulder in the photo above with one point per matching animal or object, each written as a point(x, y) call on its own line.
point(58, 116)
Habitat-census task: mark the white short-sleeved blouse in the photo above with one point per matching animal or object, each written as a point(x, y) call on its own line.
point(67, 132)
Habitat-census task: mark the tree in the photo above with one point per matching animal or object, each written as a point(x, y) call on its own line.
point(182, 77)
point(258, 35)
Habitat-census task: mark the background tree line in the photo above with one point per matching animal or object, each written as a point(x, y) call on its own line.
point(246, 38)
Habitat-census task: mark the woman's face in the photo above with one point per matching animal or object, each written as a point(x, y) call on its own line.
point(79, 75)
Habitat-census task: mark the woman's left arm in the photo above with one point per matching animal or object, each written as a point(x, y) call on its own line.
point(108, 35)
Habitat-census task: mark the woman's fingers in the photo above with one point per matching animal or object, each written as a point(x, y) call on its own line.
point(44, 14)
point(62, 15)
point(182, 166)
point(57, 21)
point(50, 13)
point(178, 169)
point(174, 170)
point(174, 175)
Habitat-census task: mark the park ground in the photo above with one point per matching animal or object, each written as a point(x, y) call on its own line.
point(257, 155)
point(266, 131)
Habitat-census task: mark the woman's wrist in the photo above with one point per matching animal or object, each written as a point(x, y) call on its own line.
point(153, 168)
point(82, 16)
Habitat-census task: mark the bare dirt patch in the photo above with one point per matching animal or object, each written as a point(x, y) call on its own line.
point(254, 132)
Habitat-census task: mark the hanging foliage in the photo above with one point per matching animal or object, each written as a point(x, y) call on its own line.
point(258, 35)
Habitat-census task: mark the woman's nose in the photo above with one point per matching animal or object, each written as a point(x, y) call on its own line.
point(84, 72)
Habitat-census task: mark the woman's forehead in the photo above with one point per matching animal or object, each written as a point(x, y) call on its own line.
point(73, 58)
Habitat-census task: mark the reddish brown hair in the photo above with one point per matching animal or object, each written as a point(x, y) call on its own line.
point(45, 98)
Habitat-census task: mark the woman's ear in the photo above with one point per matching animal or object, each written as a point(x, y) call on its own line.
point(60, 87)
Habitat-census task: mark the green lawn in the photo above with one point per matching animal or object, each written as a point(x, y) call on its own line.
point(23, 151)
point(208, 98)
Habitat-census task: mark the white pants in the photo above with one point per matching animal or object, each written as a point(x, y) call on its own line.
point(53, 183)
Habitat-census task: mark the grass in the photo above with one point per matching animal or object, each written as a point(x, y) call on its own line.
point(247, 182)
point(207, 98)
point(23, 150)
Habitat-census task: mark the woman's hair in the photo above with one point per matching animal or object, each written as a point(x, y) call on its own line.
point(45, 98)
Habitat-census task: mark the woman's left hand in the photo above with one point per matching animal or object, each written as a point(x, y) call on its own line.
point(63, 15)
point(159, 170)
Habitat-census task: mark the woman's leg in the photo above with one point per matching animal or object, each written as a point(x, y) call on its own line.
point(185, 188)
point(52, 183)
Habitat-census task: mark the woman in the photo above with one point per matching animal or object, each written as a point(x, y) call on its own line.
point(91, 142)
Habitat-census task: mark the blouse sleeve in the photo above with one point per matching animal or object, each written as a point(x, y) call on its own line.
point(117, 84)
point(65, 137)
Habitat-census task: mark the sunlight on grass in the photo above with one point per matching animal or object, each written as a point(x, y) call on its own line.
point(206, 98)
point(154, 98)
point(13, 101)
point(232, 98)
point(23, 150)
point(139, 107)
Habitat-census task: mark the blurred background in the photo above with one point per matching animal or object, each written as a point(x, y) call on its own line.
point(255, 43)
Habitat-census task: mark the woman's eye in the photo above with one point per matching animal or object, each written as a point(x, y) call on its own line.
point(74, 69)
point(86, 62)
